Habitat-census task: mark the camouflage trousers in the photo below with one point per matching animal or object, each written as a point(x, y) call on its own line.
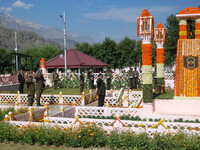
point(30, 100)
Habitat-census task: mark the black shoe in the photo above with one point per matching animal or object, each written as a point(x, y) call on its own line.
point(40, 105)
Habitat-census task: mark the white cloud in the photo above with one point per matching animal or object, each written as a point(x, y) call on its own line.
point(5, 10)
point(126, 14)
point(18, 3)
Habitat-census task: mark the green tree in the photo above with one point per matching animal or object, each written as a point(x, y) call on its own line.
point(6, 61)
point(126, 49)
point(109, 53)
point(172, 35)
point(47, 52)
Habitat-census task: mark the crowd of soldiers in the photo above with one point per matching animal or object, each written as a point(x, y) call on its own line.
point(40, 83)
point(132, 75)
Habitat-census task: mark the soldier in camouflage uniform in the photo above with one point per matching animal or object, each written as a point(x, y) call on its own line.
point(55, 79)
point(136, 78)
point(82, 82)
point(39, 87)
point(91, 78)
point(130, 76)
point(108, 75)
point(31, 90)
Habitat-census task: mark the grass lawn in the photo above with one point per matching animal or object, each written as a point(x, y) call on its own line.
point(12, 146)
point(168, 95)
point(65, 91)
point(48, 91)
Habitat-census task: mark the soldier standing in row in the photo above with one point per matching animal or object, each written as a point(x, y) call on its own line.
point(108, 75)
point(101, 90)
point(55, 79)
point(21, 79)
point(136, 78)
point(31, 90)
point(82, 82)
point(39, 87)
point(91, 78)
point(131, 75)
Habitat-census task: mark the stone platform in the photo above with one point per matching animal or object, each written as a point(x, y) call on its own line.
point(176, 107)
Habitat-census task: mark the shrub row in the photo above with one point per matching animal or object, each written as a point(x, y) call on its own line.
point(137, 118)
point(93, 136)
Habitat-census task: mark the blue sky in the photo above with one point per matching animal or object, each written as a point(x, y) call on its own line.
point(95, 18)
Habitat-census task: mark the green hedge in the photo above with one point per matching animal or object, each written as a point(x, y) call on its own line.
point(147, 93)
point(93, 136)
point(160, 81)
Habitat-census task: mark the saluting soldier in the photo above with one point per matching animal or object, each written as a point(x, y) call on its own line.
point(82, 82)
point(131, 75)
point(39, 87)
point(108, 75)
point(136, 78)
point(55, 79)
point(31, 90)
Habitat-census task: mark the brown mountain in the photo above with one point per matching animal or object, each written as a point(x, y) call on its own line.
point(25, 39)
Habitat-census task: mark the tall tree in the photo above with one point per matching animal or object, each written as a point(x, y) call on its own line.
point(6, 61)
point(46, 52)
point(172, 35)
point(127, 51)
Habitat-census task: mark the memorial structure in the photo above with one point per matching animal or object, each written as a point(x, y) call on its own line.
point(145, 27)
point(160, 38)
point(187, 75)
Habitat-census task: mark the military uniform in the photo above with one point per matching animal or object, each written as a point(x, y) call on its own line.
point(31, 91)
point(101, 91)
point(21, 79)
point(55, 80)
point(39, 87)
point(91, 79)
point(108, 75)
point(131, 75)
point(81, 82)
point(136, 79)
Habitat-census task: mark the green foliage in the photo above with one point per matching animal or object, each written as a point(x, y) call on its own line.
point(172, 35)
point(147, 93)
point(160, 81)
point(124, 54)
point(88, 136)
point(14, 112)
point(6, 61)
point(47, 52)
point(169, 94)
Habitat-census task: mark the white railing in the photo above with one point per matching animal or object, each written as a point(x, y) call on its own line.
point(22, 99)
point(121, 125)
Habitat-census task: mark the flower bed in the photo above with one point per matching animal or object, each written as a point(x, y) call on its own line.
point(14, 112)
point(93, 136)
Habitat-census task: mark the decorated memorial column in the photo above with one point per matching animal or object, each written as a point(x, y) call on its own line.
point(145, 25)
point(159, 38)
point(187, 75)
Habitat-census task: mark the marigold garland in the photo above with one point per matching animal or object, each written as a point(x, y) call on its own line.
point(160, 55)
point(187, 81)
point(146, 54)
